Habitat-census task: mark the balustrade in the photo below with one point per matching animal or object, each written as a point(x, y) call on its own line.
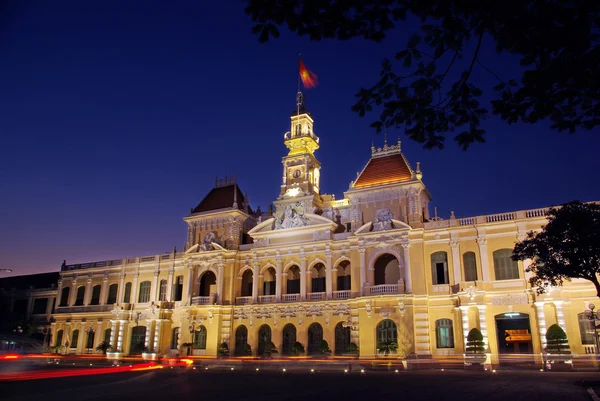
point(384, 289)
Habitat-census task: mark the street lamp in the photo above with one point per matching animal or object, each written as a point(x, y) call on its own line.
point(90, 331)
point(592, 317)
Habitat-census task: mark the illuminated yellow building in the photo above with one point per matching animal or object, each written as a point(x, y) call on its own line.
point(368, 269)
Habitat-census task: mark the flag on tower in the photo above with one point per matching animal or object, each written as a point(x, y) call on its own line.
point(309, 78)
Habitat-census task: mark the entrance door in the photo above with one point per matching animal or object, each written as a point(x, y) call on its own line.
point(514, 333)
point(138, 339)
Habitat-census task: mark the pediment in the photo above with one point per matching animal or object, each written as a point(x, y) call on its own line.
point(310, 223)
point(208, 247)
point(371, 227)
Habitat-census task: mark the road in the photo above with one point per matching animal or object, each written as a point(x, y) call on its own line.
point(187, 384)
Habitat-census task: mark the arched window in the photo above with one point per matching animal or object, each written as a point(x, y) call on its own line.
point(107, 334)
point(112, 294)
point(269, 282)
point(95, 295)
point(470, 266)
point(387, 332)
point(64, 296)
point(444, 333)
point(342, 338)
point(207, 281)
point(200, 338)
point(504, 267)
point(439, 268)
point(293, 280)
point(178, 289)
point(289, 339)
point(318, 277)
point(59, 338)
point(315, 336)
point(127, 293)
point(175, 338)
point(79, 296)
point(74, 338)
point(144, 295)
point(264, 338)
point(247, 278)
point(241, 339)
point(387, 270)
point(343, 276)
point(162, 294)
point(298, 129)
point(586, 329)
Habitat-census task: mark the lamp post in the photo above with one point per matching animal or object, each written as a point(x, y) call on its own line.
point(90, 331)
point(592, 317)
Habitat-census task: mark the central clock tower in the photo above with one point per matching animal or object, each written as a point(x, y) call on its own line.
point(301, 169)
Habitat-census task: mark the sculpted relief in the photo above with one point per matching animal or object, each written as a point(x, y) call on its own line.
point(383, 220)
point(292, 216)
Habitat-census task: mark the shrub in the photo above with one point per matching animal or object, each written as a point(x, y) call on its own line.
point(298, 348)
point(103, 347)
point(557, 340)
point(475, 344)
point(223, 349)
point(324, 347)
point(353, 348)
point(387, 347)
point(270, 349)
point(247, 349)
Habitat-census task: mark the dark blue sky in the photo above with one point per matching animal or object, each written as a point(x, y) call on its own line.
point(116, 116)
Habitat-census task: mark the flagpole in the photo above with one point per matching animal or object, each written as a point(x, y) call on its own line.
point(298, 95)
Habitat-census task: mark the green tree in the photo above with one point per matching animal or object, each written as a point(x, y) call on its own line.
point(324, 347)
point(556, 339)
point(427, 90)
point(567, 247)
point(103, 347)
point(298, 348)
point(387, 347)
point(475, 343)
point(223, 349)
point(247, 349)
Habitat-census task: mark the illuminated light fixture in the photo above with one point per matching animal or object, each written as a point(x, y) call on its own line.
point(541, 370)
point(362, 371)
point(312, 371)
point(90, 364)
point(293, 192)
point(231, 368)
point(396, 370)
point(192, 368)
point(73, 363)
point(442, 370)
point(493, 370)
point(345, 370)
point(283, 370)
point(511, 314)
point(257, 369)
point(206, 368)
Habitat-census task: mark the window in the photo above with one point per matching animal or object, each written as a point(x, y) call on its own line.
point(107, 334)
point(504, 267)
point(162, 295)
point(586, 329)
point(444, 334)
point(293, 280)
point(386, 332)
point(64, 296)
point(318, 278)
point(39, 306)
point(59, 337)
point(343, 276)
point(144, 292)
point(95, 295)
point(74, 338)
point(127, 295)
point(470, 266)
point(298, 129)
point(90, 340)
point(439, 268)
point(175, 338)
point(200, 338)
point(112, 294)
point(178, 289)
point(80, 295)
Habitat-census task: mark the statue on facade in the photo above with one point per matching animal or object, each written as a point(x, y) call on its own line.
point(383, 220)
point(293, 216)
point(207, 242)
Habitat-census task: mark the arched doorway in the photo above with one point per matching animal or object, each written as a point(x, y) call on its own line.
point(342, 339)
point(241, 339)
point(269, 282)
point(138, 340)
point(387, 270)
point(514, 333)
point(264, 338)
point(289, 339)
point(247, 278)
point(387, 334)
point(315, 336)
point(208, 284)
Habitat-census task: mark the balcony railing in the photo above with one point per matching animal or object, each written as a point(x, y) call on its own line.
point(384, 289)
point(201, 300)
point(316, 296)
point(290, 297)
point(266, 299)
point(343, 294)
point(119, 262)
point(243, 300)
point(83, 308)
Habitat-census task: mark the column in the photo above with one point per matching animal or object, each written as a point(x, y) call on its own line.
point(29, 306)
point(170, 283)
point(99, 335)
point(542, 323)
point(120, 338)
point(407, 273)
point(483, 325)
point(154, 287)
point(187, 290)
point(255, 279)
point(220, 280)
point(59, 293)
point(103, 291)
point(88, 292)
point(329, 278)
point(464, 312)
point(121, 293)
point(363, 270)
point(302, 277)
point(49, 306)
point(560, 315)
point(278, 279)
point(157, 335)
point(72, 293)
point(113, 335)
point(455, 260)
point(483, 256)
point(147, 342)
point(134, 288)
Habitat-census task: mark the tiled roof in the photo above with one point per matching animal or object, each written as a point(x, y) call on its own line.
point(221, 198)
point(42, 280)
point(382, 170)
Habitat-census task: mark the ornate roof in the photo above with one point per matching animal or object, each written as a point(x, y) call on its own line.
point(222, 196)
point(386, 166)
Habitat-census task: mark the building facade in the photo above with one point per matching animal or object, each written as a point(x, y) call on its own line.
point(368, 269)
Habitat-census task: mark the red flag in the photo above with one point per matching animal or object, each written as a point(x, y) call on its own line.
point(309, 79)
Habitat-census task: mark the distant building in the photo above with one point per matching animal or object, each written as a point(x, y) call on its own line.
point(26, 307)
point(372, 268)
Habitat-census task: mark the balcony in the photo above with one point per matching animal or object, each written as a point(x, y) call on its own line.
point(201, 300)
point(344, 294)
point(383, 289)
point(83, 309)
point(243, 300)
point(290, 298)
point(266, 299)
point(316, 296)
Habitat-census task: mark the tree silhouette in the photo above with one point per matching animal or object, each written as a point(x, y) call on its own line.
point(556, 42)
point(567, 247)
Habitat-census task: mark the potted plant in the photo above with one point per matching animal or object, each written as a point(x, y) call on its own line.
point(270, 349)
point(324, 348)
point(558, 354)
point(223, 350)
point(475, 350)
point(298, 349)
point(353, 349)
point(103, 347)
point(387, 347)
